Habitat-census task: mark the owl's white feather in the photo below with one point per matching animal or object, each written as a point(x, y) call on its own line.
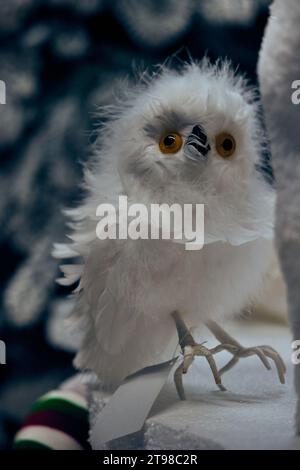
point(128, 289)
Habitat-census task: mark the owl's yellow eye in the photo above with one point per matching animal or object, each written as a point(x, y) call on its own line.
point(225, 144)
point(170, 142)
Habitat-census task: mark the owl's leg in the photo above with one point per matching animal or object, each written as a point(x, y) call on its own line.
point(190, 349)
point(263, 352)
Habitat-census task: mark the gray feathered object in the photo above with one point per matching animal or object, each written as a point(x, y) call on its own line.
point(128, 289)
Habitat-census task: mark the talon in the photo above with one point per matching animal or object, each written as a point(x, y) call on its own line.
point(238, 351)
point(178, 382)
point(190, 349)
point(189, 353)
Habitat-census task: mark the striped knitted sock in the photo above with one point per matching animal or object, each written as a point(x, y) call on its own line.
point(57, 421)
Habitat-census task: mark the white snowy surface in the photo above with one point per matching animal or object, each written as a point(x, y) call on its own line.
point(256, 412)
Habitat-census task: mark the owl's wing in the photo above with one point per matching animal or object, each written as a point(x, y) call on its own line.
point(104, 293)
point(117, 339)
point(104, 297)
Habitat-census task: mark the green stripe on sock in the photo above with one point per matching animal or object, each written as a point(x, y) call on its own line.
point(29, 444)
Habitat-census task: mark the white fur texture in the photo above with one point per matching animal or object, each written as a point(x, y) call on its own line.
point(127, 288)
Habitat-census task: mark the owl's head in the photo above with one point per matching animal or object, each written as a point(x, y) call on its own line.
point(190, 136)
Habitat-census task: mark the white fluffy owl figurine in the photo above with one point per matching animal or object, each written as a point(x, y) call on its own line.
point(188, 136)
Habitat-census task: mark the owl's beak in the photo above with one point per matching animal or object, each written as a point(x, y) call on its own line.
point(197, 146)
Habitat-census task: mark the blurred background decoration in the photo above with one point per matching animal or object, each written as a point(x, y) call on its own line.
point(60, 59)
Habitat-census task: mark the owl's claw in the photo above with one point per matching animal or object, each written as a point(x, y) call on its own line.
point(189, 353)
point(263, 352)
point(190, 349)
